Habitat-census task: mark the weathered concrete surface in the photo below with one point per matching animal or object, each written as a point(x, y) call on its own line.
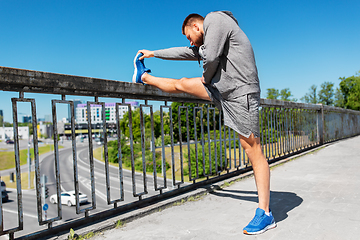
point(315, 196)
point(21, 80)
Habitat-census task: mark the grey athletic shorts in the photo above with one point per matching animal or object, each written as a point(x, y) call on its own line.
point(241, 113)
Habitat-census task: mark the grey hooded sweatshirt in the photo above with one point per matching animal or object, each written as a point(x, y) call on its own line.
point(227, 55)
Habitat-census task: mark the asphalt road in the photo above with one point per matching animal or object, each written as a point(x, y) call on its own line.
point(47, 167)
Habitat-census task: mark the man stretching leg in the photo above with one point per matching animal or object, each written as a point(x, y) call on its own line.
point(230, 81)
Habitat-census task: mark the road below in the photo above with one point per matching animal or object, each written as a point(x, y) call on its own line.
point(47, 167)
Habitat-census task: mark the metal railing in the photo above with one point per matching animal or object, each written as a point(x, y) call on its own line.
point(207, 150)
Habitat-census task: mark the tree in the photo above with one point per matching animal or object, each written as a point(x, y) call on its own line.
point(272, 93)
point(124, 125)
point(311, 96)
point(339, 98)
point(350, 88)
point(326, 93)
point(285, 95)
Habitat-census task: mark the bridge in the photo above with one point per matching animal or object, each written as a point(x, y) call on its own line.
point(202, 152)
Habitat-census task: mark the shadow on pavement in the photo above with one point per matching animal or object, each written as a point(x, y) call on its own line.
point(280, 202)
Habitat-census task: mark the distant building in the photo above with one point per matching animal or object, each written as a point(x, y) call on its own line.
point(45, 130)
point(76, 103)
point(27, 119)
point(81, 115)
point(2, 116)
point(48, 118)
point(8, 133)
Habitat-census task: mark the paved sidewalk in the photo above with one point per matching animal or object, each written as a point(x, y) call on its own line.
point(315, 196)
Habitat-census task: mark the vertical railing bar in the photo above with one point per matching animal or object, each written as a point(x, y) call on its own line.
point(297, 143)
point(276, 124)
point(106, 157)
point(291, 131)
point(209, 139)
point(225, 149)
point(172, 148)
point(229, 140)
point(287, 131)
point(215, 141)
point(220, 137)
point(202, 139)
point(281, 121)
point(163, 160)
point(188, 143)
point(142, 131)
point(273, 145)
point(91, 160)
point(132, 154)
point(261, 127)
point(35, 142)
point(17, 167)
point(180, 142)
point(196, 147)
point(56, 154)
point(234, 142)
point(267, 134)
point(119, 136)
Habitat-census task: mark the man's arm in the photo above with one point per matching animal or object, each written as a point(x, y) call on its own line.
point(176, 53)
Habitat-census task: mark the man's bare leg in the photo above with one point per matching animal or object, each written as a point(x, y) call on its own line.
point(192, 86)
point(261, 169)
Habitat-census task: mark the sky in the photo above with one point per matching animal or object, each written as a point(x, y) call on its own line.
point(296, 43)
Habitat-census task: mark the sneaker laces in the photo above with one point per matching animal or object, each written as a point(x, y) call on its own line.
point(256, 220)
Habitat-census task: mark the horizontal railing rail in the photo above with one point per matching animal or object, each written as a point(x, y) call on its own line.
point(164, 148)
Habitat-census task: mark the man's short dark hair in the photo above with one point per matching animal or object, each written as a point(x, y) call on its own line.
point(189, 20)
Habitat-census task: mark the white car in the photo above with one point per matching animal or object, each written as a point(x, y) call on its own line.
point(68, 198)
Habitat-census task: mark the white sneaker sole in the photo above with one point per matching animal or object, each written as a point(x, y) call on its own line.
point(271, 226)
point(135, 69)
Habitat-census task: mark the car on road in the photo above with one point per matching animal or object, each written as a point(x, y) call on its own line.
point(68, 198)
point(9, 141)
point(3, 186)
point(4, 196)
point(99, 141)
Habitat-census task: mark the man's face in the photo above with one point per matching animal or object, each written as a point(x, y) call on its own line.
point(194, 34)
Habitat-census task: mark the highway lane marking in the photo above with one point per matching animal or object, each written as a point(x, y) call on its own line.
point(102, 174)
point(16, 212)
point(129, 182)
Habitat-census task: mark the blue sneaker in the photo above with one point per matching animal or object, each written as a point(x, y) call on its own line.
point(140, 69)
point(260, 223)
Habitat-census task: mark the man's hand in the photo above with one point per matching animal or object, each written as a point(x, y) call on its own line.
point(147, 54)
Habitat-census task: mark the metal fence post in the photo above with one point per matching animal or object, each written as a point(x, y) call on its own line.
point(320, 125)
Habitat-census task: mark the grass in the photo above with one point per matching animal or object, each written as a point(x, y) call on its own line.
point(7, 159)
point(24, 181)
point(97, 155)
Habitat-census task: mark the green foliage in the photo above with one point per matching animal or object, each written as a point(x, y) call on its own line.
point(339, 100)
point(284, 94)
point(190, 106)
point(212, 171)
point(124, 125)
point(138, 159)
point(167, 140)
point(326, 93)
point(350, 88)
point(272, 93)
point(311, 96)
